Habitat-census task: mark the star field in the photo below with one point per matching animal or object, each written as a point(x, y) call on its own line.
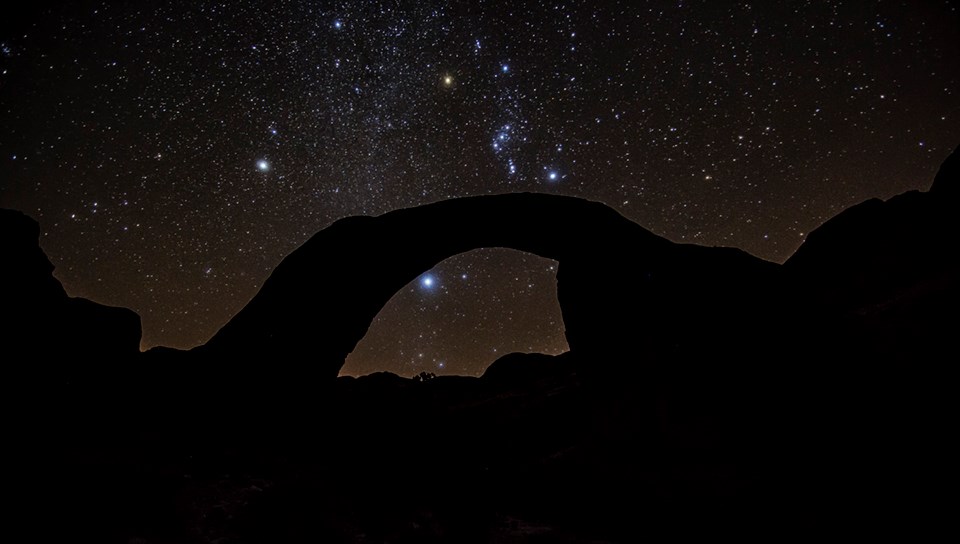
point(175, 154)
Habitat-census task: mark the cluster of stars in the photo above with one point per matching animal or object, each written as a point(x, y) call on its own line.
point(449, 331)
point(175, 154)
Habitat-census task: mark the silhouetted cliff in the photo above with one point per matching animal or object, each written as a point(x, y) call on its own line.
point(40, 321)
point(889, 270)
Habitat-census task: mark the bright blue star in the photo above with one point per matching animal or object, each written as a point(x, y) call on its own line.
point(263, 165)
point(338, 24)
point(553, 175)
point(504, 68)
point(428, 281)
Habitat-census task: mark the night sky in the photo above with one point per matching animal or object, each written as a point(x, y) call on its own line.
point(174, 155)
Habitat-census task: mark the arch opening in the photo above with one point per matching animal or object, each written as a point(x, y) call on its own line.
point(463, 314)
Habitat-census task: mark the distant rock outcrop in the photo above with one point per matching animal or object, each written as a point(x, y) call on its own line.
point(622, 290)
point(946, 185)
point(890, 269)
point(39, 319)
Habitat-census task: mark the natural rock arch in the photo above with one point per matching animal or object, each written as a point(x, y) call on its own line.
point(617, 282)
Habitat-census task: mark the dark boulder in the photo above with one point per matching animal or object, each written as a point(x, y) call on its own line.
point(523, 368)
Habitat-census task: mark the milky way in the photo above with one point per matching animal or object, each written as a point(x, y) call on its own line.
point(174, 155)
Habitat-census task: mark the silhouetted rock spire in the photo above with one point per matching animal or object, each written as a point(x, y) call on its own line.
point(39, 319)
point(947, 183)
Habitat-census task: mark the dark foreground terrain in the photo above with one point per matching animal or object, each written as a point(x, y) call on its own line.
point(706, 392)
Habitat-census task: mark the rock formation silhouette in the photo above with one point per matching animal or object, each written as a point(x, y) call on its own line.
point(888, 270)
point(40, 321)
point(705, 391)
point(622, 289)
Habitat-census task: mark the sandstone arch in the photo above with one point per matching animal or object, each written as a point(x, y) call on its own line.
point(619, 285)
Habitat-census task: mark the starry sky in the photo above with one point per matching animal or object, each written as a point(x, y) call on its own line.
point(175, 152)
